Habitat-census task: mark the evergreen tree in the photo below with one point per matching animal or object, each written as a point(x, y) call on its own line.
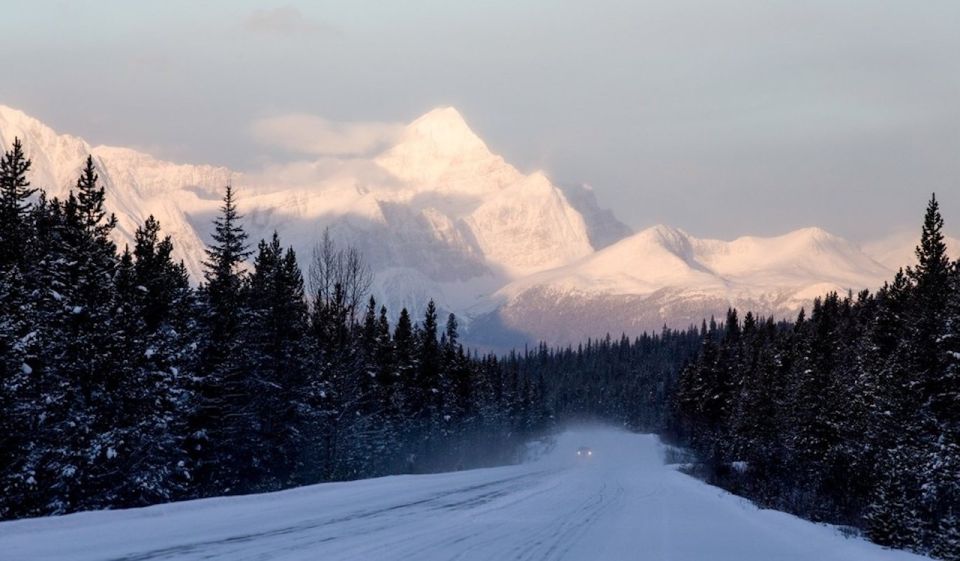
point(221, 417)
point(274, 354)
point(931, 278)
point(17, 478)
point(90, 205)
point(150, 464)
point(15, 192)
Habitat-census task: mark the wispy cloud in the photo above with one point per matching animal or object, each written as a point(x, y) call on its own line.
point(286, 21)
point(310, 134)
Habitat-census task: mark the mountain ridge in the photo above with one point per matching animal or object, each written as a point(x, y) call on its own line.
point(439, 215)
point(664, 276)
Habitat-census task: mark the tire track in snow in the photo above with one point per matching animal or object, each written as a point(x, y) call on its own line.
point(413, 507)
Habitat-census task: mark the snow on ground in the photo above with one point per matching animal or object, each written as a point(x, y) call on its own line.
point(622, 503)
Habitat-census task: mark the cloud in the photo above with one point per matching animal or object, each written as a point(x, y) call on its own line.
point(286, 21)
point(309, 134)
point(331, 172)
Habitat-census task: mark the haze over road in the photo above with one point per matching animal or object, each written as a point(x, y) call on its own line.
point(622, 503)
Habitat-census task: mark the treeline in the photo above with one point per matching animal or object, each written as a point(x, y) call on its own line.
point(621, 381)
point(121, 385)
point(850, 415)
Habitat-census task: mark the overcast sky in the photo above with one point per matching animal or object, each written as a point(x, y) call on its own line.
point(722, 118)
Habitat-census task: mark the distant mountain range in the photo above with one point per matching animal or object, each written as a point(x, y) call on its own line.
point(439, 216)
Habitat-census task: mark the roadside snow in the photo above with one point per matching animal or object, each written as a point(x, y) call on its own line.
point(623, 503)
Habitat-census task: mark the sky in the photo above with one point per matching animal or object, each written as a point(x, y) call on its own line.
point(721, 118)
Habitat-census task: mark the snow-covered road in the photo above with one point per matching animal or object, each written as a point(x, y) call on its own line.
point(623, 503)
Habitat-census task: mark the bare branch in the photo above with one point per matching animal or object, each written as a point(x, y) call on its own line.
point(342, 267)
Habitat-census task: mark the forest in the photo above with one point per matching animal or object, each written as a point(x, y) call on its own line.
point(850, 414)
point(122, 384)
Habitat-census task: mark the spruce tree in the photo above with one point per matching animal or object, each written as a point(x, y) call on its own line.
point(91, 196)
point(16, 324)
point(217, 442)
point(18, 404)
point(274, 354)
point(93, 357)
point(222, 273)
point(154, 299)
point(15, 192)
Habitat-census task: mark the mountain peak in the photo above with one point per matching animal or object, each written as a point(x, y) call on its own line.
point(441, 117)
point(814, 233)
point(440, 149)
point(443, 131)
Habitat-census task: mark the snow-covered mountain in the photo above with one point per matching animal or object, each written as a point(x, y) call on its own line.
point(440, 216)
point(664, 275)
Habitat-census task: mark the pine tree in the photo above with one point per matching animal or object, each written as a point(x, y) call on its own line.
point(15, 192)
point(429, 377)
point(948, 448)
point(162, 285)
point(217, 442)
point(92, 359)
point(91, 196)
point(153, 302)
point(274, 354)
point(17, 407)
point(929, 333)
point(931, 278)
point(222, 272)
point(407, 394)
point(892, 418)
point(459, 410)
point(16, 309)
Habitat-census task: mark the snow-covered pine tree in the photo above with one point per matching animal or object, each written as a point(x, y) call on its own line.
point(15, 328)
point(274, 355)
point(372, 406)
point(18, 407)
point(221, 415)
point(390, 399)
point(150, 316)
point(429, 383)
point(928, 324)
point(459, 412)
point(44, 401)
point(15, 192)
point(948, 445)
point(407, 394)
point(78, 347)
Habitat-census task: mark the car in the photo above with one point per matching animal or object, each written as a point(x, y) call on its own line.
point(583, 452)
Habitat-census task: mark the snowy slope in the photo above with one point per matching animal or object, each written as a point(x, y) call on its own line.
point(603, 227)
point(662, 256)
point(622, 504)
point(663, 275)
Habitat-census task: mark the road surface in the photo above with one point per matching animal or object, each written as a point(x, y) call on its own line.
point(623, 503)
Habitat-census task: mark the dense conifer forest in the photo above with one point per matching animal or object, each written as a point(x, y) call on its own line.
point(849, 415)
point(124, 385)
